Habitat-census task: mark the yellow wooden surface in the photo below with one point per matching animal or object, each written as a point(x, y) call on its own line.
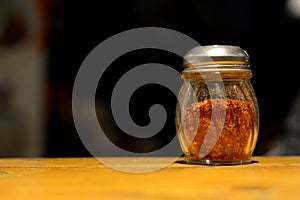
point(86, 178)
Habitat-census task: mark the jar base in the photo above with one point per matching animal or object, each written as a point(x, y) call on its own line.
point(217, 162)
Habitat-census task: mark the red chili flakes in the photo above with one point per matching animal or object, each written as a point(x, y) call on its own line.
point(228, 139)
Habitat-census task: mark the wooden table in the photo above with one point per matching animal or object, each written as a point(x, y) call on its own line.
point(86, 178)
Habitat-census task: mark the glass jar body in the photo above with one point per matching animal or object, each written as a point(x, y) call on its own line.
point(217, 119)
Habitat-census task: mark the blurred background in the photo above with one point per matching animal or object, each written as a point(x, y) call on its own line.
point(44, 42)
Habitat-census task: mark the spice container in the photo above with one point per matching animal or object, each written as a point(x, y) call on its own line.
point(217, 115)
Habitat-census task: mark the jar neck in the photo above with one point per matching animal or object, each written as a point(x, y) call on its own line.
point(217, 72)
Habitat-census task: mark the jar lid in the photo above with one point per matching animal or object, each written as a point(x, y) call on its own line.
point(216, 55)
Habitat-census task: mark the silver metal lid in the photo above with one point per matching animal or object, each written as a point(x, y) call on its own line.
point(216, 55)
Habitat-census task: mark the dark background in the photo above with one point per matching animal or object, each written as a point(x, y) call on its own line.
point(265, 29)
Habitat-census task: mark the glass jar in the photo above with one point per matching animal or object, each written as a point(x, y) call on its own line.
point(217, 115)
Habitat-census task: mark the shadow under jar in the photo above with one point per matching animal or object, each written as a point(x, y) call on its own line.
point(217, 115)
